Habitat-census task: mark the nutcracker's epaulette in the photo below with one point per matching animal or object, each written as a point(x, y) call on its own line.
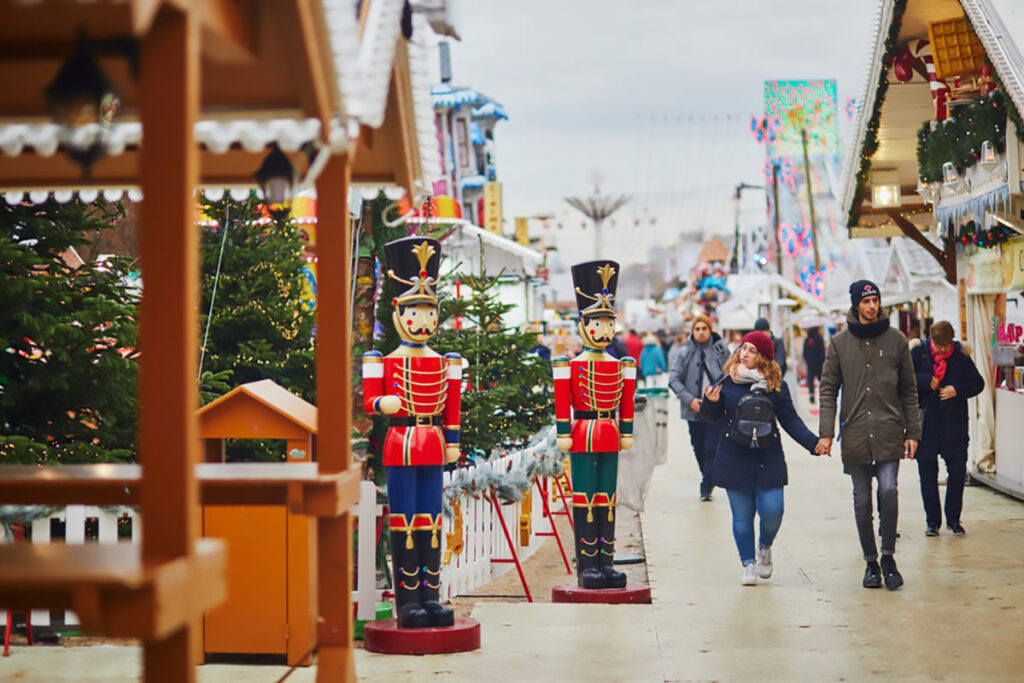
point(628, 360)
point(370, 355)
point(560, 360)
point(452, 354)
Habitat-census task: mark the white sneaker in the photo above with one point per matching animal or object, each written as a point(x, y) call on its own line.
point(749, 575)
point(764, 562)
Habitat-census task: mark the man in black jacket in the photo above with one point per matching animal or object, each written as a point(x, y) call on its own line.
point(946, 378)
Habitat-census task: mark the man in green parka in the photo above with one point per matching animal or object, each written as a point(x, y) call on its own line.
point(879, 422)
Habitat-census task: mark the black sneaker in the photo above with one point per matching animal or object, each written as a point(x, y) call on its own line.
point(931, 531)
point(873, 576)
point(957, 529)
point(893, 578)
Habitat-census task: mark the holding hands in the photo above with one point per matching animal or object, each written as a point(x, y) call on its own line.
point(824, 446)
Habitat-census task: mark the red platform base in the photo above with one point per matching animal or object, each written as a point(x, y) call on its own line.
point(385, 636)
point(632, 594)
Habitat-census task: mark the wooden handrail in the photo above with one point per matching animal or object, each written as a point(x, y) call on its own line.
point(301, 486)
point(110, 589)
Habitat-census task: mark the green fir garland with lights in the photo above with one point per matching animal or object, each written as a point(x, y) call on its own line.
point(959, 138)
point(970, 233)
point(870, 145)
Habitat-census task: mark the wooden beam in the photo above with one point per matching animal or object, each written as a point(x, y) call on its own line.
point(334, 391)
point(945, 258)
point(30, 171)
point(169, 319)
point(228, 29)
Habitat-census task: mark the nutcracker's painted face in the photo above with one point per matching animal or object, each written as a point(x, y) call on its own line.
point(597, 331)
point(416, 323)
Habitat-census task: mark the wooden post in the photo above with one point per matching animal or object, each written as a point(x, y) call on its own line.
point(334, 391)
point(169, 319)
point(810, 203)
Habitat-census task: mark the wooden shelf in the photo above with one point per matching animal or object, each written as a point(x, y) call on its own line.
point(108, 587)
point(301, 486)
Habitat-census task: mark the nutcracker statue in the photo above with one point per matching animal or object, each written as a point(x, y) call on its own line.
point(419, 391)
point(594, 419)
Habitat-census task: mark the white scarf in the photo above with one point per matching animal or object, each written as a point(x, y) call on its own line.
point(741, 374)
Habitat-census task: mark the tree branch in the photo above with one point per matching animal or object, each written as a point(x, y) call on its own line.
point(946, 259)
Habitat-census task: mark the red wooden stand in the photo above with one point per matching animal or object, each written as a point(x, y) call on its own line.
point(384, 636)
point(632, 594)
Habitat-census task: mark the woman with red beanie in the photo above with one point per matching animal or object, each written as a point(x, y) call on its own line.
point(750, 464)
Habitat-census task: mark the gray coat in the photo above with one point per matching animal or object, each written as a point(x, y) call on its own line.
point(684, 376)
point(872, 365)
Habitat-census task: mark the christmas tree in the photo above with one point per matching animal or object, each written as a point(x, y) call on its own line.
point(67, 339)
point(259, 327)
point(508, 395)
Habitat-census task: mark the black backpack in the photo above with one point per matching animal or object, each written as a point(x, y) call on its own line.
point(754, 423)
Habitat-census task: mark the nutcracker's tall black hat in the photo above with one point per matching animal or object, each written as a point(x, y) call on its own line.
point(596, 282)
point(414, 262)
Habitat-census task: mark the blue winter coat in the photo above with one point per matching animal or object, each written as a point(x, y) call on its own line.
point(652, 360)
point(944, 422)
point(739, 468)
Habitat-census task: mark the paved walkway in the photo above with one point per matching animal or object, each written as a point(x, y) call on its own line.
point(960, 616)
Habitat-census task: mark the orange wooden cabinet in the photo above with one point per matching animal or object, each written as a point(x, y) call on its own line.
point(271, 552)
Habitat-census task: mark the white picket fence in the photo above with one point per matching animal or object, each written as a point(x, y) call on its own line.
point(75, 519)
point(485, 554)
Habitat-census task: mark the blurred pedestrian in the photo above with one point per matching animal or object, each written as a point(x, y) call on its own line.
point(678, 344)
point(761, 325)
point(946, 378)
point(652, 360)
point(814, 357)
point(634, 345)
point(695, 368)
point(879, 421)
point(753, 471)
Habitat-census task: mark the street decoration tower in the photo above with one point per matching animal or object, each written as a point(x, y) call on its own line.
point(594, 421)
point(420, 392)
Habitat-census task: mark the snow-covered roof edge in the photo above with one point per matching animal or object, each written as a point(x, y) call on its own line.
point(872, 73)
point(426, 128)
point(1000, 47)
point(499, 241)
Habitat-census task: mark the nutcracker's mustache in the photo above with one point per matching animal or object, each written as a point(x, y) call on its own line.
point(603, 340)
point(421, 330)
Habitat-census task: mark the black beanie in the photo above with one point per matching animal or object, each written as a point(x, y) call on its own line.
point(862, 289)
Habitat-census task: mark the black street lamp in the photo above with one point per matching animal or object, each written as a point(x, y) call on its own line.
point(276, 177)
point(84, 104)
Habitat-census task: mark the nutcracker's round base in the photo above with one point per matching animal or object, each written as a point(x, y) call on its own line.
point(632, 594)
point(386, 637)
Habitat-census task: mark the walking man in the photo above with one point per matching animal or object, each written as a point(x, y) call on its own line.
point(814, 356)
point(879, 422)
point(946, 378)
point(698, 365)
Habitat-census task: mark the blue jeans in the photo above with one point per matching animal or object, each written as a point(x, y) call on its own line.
point(768, 504)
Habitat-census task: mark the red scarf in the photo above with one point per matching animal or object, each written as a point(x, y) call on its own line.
point(939, 361)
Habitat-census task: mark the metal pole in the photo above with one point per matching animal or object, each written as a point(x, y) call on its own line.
point(597, 237)
point(810, 203)
point(734, 265)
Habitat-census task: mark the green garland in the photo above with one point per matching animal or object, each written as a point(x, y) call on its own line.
point(870, 145)
point(959, 138)
point(971, 233)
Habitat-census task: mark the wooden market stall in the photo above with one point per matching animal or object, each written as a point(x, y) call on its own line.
point(211, 86)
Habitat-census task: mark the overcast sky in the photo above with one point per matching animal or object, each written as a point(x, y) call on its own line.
point(655, 95)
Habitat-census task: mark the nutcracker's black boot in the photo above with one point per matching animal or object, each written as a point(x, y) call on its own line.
point(428, 545)
point(606, 526)
point(588, 572)
point(407, 581)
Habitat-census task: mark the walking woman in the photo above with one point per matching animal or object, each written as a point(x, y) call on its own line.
point(749, 463)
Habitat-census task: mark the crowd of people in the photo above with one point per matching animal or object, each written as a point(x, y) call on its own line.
point(900, 400)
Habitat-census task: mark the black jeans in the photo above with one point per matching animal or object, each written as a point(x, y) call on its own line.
point(704, 439)
point(812, 374)
point(956, 469)
point(888, 505)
